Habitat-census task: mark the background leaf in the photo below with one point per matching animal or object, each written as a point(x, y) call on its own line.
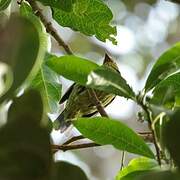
point(47, 82)
point(66, 171)
point(109, 81)
point(29, 104)
point(168, 63)
point(107, 131)
point(88, 17)
point(136, 167)
point(171, 135)
point(167, 92)
point(19, 42)
point(26, 11)
point(72, 67)
point(25, 151)
point(4, 4)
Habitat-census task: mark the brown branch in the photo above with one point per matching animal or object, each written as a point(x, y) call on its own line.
point(73, 139)
point(49, 28)
point(73, 147)
point(66, 146)
point(97, 103)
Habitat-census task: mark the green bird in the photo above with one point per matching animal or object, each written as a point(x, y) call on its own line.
point(79, 101)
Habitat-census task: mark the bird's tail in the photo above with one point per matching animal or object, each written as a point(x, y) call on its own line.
point(60, 123)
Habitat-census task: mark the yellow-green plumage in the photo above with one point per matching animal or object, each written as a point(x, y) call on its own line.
point(79, 102)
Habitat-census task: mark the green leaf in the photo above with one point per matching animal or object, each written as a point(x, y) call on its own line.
point(168, 63)
point(29, 104)
point(136, 167)
point(47, 82)
point(109, 81)
point(171, 135)
point(89, 17)
point(167, 92)
point(19, 42)
point(72, 67)
point(4, 4)
point(25, 151)
point(66, 171)
point(163, 175)
point(65, 5)
point(26, 11)
point(108, 131)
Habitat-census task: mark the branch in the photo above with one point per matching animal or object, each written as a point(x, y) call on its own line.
point(97, 103)
point(66, 146)
point(49, 28)
point(73, 139)
point(73, 147)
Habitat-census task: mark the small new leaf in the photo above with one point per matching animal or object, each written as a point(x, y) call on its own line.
point(137, 167)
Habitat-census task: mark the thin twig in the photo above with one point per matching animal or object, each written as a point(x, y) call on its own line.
point(49, 28)
point(97, 103)
point(73, 139)
point(73, 147)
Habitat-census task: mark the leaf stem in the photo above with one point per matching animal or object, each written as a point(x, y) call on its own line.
point(141, 101)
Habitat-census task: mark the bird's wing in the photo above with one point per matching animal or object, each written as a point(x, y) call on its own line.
point(67, 94)
point(96, 111)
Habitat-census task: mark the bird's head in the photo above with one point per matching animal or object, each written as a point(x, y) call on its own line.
point(108, 62)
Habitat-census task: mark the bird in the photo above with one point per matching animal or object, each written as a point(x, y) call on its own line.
point(79, 102)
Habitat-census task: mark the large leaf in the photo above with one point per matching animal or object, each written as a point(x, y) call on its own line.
point(29, 104)
point(168, 63)
point(65, 5)
point(72, 67)
point(19, 42)
point(163, 175)
point(4, 4)
point(25, 151)
point(108, 131)
point(91, 17)
point(167, 92)
point(66, 171)
point(171, 135)
point(136, 167)
point(26, 11)
point(90, 74)
point(109, 81)
point(47, 82)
